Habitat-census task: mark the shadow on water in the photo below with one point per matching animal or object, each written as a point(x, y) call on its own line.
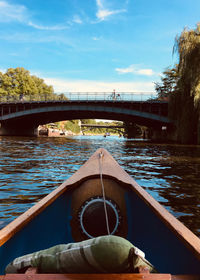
point(32, 167)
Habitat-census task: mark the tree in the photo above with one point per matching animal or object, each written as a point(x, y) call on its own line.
point(182, 85)
point(17, 83)
point(187, 45)
point(73, 126)
point(168, 83)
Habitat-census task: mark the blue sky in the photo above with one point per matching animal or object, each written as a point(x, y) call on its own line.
point(93, 45)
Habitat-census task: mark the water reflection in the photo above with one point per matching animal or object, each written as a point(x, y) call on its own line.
point(32, 167)
point(171, 174)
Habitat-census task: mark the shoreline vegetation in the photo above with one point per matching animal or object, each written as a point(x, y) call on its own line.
point(73, 128)
point(180, 85)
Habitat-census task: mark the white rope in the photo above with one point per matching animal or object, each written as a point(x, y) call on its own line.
point(103, 191)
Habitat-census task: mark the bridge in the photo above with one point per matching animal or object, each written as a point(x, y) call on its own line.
point(101, 126)
point(23, 117)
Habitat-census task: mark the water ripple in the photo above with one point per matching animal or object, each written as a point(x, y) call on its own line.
point(30, 168)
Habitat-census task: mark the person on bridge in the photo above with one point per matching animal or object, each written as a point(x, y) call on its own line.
point(21, 97)
point(114, 94)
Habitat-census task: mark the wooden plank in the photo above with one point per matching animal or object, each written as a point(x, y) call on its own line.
point(144, 276)
point(185, 277)
point(142, 269)
point(99, 277)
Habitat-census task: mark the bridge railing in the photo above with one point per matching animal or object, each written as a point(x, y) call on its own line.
point(111, 96)
point(86, 96)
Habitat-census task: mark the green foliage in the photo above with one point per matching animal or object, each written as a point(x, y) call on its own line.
point(18, 84)
point(72, 126)
point(182, 84)
point(188, 47)
point(100, 130)
point(188, 95)
point(168, 83)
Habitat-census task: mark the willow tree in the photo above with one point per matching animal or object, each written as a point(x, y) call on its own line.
point(187, 45)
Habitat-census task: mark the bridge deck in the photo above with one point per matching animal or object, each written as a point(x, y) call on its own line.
point(152, 106)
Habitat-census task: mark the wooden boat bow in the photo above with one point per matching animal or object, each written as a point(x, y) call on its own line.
point(101, 162)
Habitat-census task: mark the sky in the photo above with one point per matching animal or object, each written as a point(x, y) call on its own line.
point(94, 45)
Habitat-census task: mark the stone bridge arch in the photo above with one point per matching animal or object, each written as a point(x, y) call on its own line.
point(23, 119)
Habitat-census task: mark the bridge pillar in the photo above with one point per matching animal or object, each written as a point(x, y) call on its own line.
point(132, 130)
point(14, 130)
point(163, 134)
point(157, 135)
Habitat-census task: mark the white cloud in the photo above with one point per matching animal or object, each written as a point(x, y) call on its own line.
point(129, 69)
point(77, 19)
point(42, 27)
point(103, 13)
point(19, 13)
point(99, 4)
point(12, 12)
point(30, 37)
point(132, 69)
point(145, 72)
point(62, 85)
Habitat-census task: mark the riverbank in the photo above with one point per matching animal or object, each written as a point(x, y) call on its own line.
point(54, 132)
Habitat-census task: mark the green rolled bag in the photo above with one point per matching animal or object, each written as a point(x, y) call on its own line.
point(104, 254)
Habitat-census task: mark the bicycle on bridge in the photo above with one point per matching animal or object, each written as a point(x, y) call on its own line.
point(114, 96)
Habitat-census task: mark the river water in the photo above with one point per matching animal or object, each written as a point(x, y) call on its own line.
point(32, 167)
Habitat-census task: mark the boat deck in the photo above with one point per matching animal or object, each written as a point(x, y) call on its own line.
point(137, 276)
